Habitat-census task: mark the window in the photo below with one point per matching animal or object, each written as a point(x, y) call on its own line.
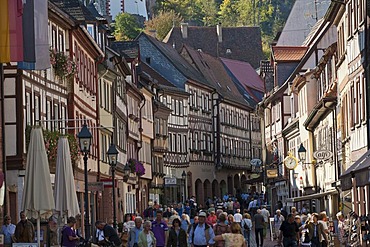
point(170, 142)
point(191, 101)
point(358, 103)
point(90, 29)
point(363, 99)
point(351, 106)
point(195, 99)
point(206, 103)
point(196, 141)
point(28, 109)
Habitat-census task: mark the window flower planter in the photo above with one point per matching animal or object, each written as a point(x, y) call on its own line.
point(64, 67)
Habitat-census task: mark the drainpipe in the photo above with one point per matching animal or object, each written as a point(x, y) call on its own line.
point(5, 207)
point(216, 130)
point(141, 127)
point(367, 72)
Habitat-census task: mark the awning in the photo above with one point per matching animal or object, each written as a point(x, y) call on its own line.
point(361, 164)
point(313, 196)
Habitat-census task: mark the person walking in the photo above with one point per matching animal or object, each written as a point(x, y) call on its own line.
point(233, 239)
point(278, 220)
point(220, 228)
point(238, 216)
point(290, 231)
point(133, 238)
point(266, 216)
point(259, 224)
point(177, 236)
point(24, 230)
point(343, 228)
point(323, 219)
point(110, 233)
point(211, 219)
point(69, 237)
point(8, 229)
point(316, 231)
point(201, 234)
point(247, 227)
point(159, 228)
point(146, 237)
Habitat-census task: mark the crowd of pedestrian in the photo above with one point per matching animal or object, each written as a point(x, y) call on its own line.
point(221, 223)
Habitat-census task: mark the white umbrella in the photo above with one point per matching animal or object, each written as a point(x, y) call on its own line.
point(37, 200)
point(66, 202)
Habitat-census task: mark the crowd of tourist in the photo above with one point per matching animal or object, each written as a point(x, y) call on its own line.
point(221, 223)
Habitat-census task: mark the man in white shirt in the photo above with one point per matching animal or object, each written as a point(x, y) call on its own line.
point(238, 217)
point(266, 216)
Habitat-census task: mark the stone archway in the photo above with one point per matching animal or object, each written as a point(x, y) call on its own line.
point(199, 191)
point(207, 190)
point(215, 189)
point(236, 184)
point(223, 189)
point(230, 186)
point(243, 181)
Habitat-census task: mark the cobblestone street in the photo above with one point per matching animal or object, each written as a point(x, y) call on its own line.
point(266, 243)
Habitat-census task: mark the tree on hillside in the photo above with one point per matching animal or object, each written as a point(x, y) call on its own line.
point(126, 27)
point(209, 9)
point(162, 23)
point(228, 13)
point(190, 10)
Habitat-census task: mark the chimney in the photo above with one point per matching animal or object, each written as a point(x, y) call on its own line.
point(219, 32)
point(184, 30)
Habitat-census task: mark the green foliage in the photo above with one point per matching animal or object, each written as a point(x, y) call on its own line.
point(126, 27)
point(228, 13)
point(162, 23)
point(51, 144)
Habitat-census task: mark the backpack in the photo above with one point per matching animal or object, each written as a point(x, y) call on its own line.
point(246, 227)
point(221, 229)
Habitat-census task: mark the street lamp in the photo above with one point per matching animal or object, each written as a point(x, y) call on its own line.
point(183, 175)
point(112, 158)
point(85, 142)
point(302, 153)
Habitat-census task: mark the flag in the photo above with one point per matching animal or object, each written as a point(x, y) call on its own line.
point(4, 32)
point(16, 30)
point(35, 35)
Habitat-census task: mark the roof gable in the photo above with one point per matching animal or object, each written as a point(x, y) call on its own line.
point(288, 53)
point(127, 49)
point(168, 61)
point(214, 71)
point(76, 10)
point(234, 45)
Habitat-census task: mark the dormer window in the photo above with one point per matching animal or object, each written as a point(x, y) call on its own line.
point(90, 29)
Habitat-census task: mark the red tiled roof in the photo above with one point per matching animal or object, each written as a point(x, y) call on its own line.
point(288, 53)
point(244, 73)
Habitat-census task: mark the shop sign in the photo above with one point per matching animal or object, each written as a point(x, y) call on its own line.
point(256, 165)
point(107, 183)
point(95, 186)
point(272, 173)
point(323, 154)
point(170, 181)
point(346, 182)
